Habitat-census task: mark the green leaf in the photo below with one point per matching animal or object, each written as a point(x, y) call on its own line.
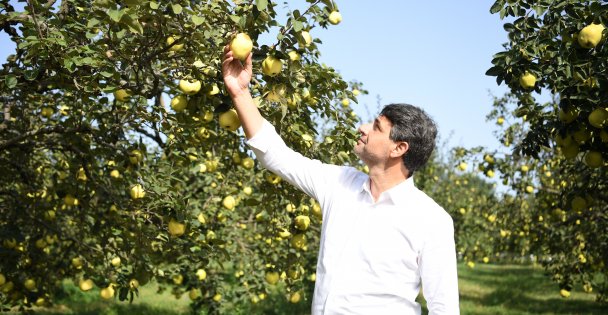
point(298, 26)
point(92, 22)
point(153, 5)
point(261, 4)
point(11, 81)
point(198, 20)
point(496, 6)
point(116, 15)
point(177, 9)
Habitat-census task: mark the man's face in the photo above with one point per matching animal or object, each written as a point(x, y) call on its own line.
point(374, 145)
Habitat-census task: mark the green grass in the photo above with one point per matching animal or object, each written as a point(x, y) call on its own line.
point(485, 289)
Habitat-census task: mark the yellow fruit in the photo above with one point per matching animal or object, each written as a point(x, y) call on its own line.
point(8, 287)
point(107, 293)
point(570, 151)
point(594, 159)
point(229, 120)
point(272, 277)
point(247, 190)
point(217, 297)
point(137, 192)
point(179, 103)
point(524, 168)
point(122, 95)
point(201, 274)
point(194, 293)
point(306, 38)
point(46, 112)
point(77, 262)
point(582, 259)
point(298, 241)
point(490, 173)
point(598, 117)
point(302, 222)
point(176, 47)
point(70, 200)
point(356, 92)
point(229, 202)
point(500, 120)
point(471, 264)
point(115, 174)
point(115, 261)
point(40, 302)
point(273, 179)
point(271, 66)
point(587, 288)
point(2, 279)
point(488, 158)
point(190, 87)
point(176, 228)
point(214, 90)
point(568, 115)
point(247, 163)
point(241, 45)
point(136, 157)
point(462, 166)
point(30, 284)
point(564, 293)
point(178, 279)
point(208, 116)
point(335, 17)
point(527, 80)
point(133, 284)
point(578, 203)
point(85, 284)
point(492, 218)
point(295, 297)
point(529, 189)
point(486, 260)
point(345, 102)
point(590, 35)
point(293, 55)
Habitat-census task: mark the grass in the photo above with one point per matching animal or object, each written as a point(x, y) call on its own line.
point(485, 289)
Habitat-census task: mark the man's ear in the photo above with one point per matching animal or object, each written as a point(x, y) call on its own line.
point(400, 149)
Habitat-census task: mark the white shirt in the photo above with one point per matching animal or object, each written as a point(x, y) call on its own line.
point(373, 256)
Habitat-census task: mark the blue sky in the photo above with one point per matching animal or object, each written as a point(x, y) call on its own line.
point(432, 54)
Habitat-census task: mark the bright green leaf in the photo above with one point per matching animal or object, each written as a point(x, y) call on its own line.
point(177, 9)
point(11, 81)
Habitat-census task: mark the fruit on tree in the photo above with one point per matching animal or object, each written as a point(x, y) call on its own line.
point(462, 166)
point(335, 17)
point(229, 120)
point(293, 55)
point(194, 293)
point(271, 66)
point(107, 292)
point(189, 87)
point(46, 112)
point(115, 261)
point(29, 284)
point(122, 95)
point(201, 274)
point(179, 103)
point(298, 241)
point(306, 38)
point(247, 163)
point(229, 202)
point(594, 159)
point(527, 80)
point(568, 115)
point(85, 284)
point(135, 157)
point(241, 45)
point(598, 117)
point(176, 228)
point(176, 47)
point(272, 277)
point(295, 297)
point(302, 222)
point(590, 35)
point(133, 284)
point(137, 192)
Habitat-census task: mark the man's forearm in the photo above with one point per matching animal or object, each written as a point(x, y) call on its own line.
point(250, 116)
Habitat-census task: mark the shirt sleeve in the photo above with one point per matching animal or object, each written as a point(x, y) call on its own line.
point(311, 176)
point(438, 268)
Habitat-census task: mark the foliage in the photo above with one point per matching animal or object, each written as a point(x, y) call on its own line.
point(555, 165)
point(85, 122)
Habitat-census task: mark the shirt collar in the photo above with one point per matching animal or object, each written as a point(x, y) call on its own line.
point(397, 194)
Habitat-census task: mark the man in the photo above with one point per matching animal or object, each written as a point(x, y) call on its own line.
point(381, 237)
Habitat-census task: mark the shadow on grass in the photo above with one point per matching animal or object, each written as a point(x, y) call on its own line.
point(520, 290)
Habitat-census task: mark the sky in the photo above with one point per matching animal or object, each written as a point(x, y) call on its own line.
point(432, 54)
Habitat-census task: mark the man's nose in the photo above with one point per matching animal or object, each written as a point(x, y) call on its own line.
point(364, 128)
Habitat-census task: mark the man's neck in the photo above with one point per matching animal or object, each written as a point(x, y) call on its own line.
point(383, 178)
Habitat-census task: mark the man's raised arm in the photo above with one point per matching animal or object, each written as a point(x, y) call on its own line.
point(237, 77)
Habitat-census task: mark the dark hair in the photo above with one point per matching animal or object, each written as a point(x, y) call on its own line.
point(414, 126)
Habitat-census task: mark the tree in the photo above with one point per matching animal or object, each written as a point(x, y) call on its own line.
point(559, 146)
point(103, 181)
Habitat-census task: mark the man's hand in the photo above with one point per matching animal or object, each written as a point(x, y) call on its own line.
point(236, 75)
